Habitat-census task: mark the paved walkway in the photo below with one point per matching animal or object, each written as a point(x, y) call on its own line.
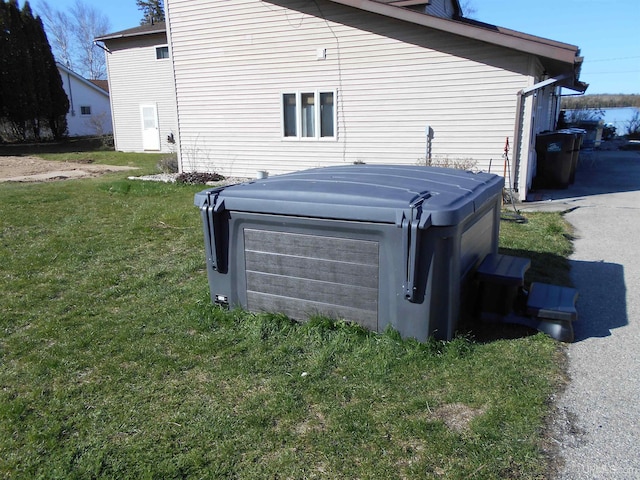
point(598, 416)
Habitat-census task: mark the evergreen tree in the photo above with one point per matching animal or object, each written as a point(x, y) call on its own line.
point(17, 82)
point(4, 61)
point(152, 11)
point(33, 69)
point(53, 103)
point(31, 93)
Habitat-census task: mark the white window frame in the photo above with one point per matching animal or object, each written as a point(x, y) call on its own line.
point(158, 49)
point(82, 107)
point(317, 115)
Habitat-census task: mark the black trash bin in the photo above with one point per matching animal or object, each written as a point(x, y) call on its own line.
point(379, 245)
point(555, 158)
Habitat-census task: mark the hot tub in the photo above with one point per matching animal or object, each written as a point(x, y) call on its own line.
point(379, 245)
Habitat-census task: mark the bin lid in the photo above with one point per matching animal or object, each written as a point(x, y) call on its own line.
point(373, 193)
point(578, 131)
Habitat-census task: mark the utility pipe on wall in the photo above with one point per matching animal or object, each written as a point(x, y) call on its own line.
point(71, 109)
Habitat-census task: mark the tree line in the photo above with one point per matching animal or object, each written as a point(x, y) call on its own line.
point(600, 101)
point(33, 103)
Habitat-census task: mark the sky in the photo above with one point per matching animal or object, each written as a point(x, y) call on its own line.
point(607, 32)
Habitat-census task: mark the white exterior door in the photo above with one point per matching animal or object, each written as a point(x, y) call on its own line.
point(150, 130)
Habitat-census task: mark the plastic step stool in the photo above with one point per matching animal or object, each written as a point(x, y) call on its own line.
point(501, 280)
point(503, 269)
point(554, 309)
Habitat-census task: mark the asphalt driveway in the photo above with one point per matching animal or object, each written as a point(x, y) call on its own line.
point(597, 426)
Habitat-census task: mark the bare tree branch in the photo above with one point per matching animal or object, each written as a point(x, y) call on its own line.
point(58, 27)
point(72, 35)
point(468, 10)
point(89, 24)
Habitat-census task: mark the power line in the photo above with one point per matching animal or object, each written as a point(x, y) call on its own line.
point(587, 59)
point(609, 72)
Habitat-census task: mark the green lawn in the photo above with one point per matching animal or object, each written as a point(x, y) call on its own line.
point(113, 363)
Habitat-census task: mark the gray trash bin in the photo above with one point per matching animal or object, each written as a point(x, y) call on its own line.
point(577, 145)
point(377, 245)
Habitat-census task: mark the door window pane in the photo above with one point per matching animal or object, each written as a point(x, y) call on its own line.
point(149, 117)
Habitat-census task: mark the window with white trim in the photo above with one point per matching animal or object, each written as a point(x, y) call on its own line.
point(162, 52)
point(309, 115)
point(85, 110)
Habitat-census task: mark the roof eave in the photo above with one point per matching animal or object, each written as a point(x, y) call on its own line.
point(530, 44)
point(126, 34)
point(83, 80)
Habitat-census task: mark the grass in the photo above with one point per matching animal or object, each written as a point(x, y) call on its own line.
point(114, 364)
point(544, 238)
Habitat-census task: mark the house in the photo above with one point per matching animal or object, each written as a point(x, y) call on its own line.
point(142, 90)
point(89, 107)
point(284, 85)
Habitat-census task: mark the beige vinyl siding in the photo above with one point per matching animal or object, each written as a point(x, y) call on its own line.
point(138, 78)
point(234, 59)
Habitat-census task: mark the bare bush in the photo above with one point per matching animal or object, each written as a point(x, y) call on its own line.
point(467, 164)
point(168, 163)
point(633, 125)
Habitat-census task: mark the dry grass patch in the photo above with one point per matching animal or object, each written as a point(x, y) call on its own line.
point(457, 416)
point(314, 423)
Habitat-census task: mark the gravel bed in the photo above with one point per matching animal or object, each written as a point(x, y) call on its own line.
point(161, 177)
point(171, 178)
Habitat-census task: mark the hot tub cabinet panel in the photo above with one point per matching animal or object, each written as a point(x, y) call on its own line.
point(301, 273)
point(377, 245)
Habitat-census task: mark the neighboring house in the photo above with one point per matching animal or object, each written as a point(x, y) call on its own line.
point(89, 108)
point(284, 85)
point(142, 89)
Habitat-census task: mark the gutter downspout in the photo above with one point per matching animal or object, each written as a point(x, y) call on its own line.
point(178, 127)
point(519, 123)
point(515, 165)
point(102, 47)
point(71, 107)
point(114, 124)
